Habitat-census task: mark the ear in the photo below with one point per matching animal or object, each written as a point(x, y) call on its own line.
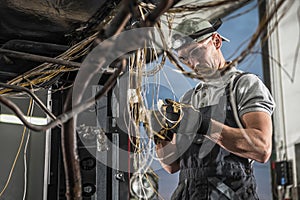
point(217, 40)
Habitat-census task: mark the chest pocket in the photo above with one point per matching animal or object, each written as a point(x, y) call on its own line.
point(217, 112)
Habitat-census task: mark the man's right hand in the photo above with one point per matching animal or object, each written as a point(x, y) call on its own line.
point(171, 111)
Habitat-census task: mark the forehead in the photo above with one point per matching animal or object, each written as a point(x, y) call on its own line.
point(187, 47)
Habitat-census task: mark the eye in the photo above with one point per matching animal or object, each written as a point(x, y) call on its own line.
point(182, 59)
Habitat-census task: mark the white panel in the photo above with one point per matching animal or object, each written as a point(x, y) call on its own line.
point(284, 45)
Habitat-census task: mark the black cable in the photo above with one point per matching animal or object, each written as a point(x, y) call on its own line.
point(35, 98)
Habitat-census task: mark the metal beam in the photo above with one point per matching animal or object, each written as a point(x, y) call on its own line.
point(37, 58)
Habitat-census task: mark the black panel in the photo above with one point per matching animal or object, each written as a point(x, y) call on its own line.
point(284, 173)
point(56, 185)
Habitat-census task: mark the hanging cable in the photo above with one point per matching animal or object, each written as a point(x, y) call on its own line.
point(25, 155)
point(18, 153)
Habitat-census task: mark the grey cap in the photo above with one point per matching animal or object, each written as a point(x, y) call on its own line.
point(195, 29)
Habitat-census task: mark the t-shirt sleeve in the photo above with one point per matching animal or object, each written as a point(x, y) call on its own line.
point(253, 96)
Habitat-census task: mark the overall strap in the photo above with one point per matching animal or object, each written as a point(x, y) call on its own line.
point(232, 98)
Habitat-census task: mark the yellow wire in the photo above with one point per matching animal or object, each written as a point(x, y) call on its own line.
point(18, 152)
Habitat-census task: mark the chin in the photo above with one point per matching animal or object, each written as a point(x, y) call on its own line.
point(208, 74)
point(204, 70)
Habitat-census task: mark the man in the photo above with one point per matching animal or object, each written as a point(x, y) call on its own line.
point(221, 126)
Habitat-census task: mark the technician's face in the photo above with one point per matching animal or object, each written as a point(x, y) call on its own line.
point(200, 57)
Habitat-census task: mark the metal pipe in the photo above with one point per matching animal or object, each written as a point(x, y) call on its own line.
point(37, 58)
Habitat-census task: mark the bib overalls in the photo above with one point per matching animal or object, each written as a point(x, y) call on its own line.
point(217, 174)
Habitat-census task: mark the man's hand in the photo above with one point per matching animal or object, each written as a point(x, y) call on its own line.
point(184, 119)
point(164, 135)
point(171, 112)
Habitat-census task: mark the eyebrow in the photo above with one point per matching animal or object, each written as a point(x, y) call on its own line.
point(186, 45)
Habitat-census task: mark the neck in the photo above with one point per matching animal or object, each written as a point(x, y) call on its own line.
point(222, 63)
point(224, 67)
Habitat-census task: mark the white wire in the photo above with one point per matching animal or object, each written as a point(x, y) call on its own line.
point(236, 116)
point(25, 156)
point(25, 166)
point(169, 83)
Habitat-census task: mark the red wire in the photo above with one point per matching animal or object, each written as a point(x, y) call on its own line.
point(128, 151)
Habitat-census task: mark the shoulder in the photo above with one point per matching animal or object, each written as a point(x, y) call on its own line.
point(252, 95)
point(247, 77)
point(249, 83)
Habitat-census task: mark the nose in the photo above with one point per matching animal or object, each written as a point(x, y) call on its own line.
point(188, 58)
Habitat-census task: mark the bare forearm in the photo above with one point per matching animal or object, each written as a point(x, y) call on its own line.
point(166, 152)
point(250, 143)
